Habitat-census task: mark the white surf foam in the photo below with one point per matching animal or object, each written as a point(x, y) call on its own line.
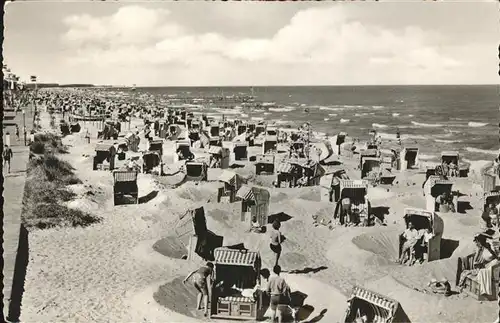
point(447, 141)
point(257, 118)
point(395, 114)
point(332, 114)
point(392, 136)
point(332, 108)
point(482, 151)
point(378, 125)
point(284, 109)
point(344, 120)
point(427, 125)
point(378, 107)
point(281, 121)
point(477, 124)
point(326, 119)
point(426, 157)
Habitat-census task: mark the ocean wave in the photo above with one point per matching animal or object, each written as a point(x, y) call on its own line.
point(326, 119)
point(226, 111)
point(267, 113)
point(378, 125)
point(477, 124)
point(447, 141)
point(410, 115)
point(332, 108)
point(482, 151)
point(427, 125)
point(378, 107)
point(426, 157)
point(392, 136)
point(344, 120)
point(332, 114)
point(281, 121)
point(284, 109)
point(244, 115)
point(257, 118)
point(395, 114)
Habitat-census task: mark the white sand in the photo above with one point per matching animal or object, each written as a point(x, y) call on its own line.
point(109, 271)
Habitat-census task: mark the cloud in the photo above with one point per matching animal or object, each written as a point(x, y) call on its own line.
point(129, 25)
point(318, 38)
point(313, 36)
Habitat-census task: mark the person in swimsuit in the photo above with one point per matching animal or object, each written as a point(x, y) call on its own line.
point(203, 283)
point(276, 240)
point(279, 293)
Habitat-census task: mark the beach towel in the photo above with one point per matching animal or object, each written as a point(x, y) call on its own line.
point(484, 281)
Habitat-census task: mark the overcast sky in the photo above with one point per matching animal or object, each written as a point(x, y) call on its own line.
point(244, 43)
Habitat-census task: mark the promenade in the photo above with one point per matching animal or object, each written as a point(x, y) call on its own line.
point(13, 199)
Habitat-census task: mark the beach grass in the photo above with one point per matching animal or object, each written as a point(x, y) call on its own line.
point(46, 189)
point(47, 142)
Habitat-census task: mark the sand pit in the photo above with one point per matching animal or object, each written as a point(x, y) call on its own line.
point(171, 247)
point(314, 300)
point(384, 245)
point(431, 308)
point(203, 192)
point(179, 297)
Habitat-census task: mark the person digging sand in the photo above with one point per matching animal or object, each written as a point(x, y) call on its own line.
point(202, 283)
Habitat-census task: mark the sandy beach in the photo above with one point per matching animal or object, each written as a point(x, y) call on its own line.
point(128, 268)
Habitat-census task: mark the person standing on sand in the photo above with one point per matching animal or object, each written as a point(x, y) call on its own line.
point(202, 283)
point(7, 156)
point(276, 240)
point(279, 292)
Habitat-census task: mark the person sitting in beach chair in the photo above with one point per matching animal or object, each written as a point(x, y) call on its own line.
point(453, 170)
point(355, 216)
point(483, 256)
point(301, 182)
point(493, 215)
point(255, 225)
point(411, 237)
point(423, 251)
point(445, 169)
point(445, 202)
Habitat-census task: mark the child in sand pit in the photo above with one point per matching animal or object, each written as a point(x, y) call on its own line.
point(203, 283)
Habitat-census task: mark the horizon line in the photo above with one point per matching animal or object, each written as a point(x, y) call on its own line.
point(250, 86)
